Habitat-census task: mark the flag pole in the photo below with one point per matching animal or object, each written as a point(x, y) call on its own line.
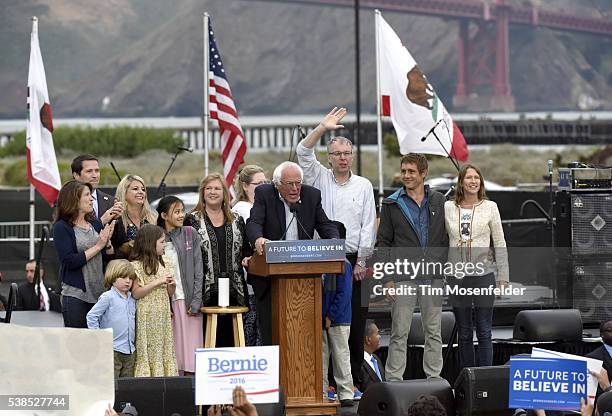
point(32, 219)
point(32, 192)
point(381, 188)
point(206, 115)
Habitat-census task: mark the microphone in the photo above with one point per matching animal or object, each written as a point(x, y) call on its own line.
point(290, 222)
point(431, 130)
point(294, 208)
point(550, 168)
point(186, 149)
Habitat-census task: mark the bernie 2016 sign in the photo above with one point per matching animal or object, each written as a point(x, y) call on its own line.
point(220, 370)
point(547, 383)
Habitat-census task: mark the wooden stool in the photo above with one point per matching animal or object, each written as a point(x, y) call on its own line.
point(210, 339)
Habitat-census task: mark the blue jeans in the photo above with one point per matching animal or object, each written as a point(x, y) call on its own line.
point(474, 311)
point(75, 312)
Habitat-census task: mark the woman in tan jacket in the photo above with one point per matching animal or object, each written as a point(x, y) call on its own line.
point(474, 225)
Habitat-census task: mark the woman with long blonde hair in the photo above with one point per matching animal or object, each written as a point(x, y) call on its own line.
point(249, 178)
point(224, 246)
point(132, 193)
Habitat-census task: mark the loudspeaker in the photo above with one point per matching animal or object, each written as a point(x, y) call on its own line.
point(563, 219)
point(416, 335)
point(591, 223)
point(548, 325)
point(482, 391)
point(592, 288)
point(394, 399)
point(162, 396)
point(172, 396)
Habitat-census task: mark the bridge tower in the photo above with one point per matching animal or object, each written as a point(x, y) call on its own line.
point(483, 66)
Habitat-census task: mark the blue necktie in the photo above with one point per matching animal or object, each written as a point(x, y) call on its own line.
point(376, 369)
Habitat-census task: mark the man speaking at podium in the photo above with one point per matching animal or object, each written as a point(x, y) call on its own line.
point(283, 210)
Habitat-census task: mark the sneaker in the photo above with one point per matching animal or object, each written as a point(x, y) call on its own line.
point(331, 393)
point(357, 394)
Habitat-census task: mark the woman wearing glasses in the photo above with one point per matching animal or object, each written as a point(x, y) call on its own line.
point(249, 178)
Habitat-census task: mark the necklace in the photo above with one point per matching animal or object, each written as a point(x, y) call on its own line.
point(135, 224)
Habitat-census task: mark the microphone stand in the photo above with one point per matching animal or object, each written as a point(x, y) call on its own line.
point(37, 277)
point(445, 151)
point(161, 188)
point(115, 170)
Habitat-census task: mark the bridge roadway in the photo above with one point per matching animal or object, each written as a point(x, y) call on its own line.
point(278, 132)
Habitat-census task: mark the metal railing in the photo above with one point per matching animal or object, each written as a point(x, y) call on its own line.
point(20, 230)
point(281, 134)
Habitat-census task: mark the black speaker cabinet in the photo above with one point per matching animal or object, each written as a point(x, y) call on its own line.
point(162, 396)
point(416, 335)
point(592, 288)
point(481, 391)
point(548, 325)
point(394, 399)
point(172, 396)
point(591, 223)
point(563, 219)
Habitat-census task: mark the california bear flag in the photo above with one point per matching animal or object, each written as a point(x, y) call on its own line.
point(43, 172)
point(411, 102)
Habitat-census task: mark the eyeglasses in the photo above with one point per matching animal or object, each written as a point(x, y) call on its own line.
point(338, 154)
point(291, 184)
point(256, 184)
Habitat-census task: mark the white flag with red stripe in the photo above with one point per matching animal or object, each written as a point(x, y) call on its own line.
point(411, 102)
point(223, 109)
point(43, 172)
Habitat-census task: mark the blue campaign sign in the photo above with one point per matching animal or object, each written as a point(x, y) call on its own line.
point(301, 251)
point(546, 383)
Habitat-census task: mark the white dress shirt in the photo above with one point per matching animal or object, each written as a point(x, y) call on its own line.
point(351, 203)
point(292, 231)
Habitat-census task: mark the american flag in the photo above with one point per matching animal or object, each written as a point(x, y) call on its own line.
point(222, 109)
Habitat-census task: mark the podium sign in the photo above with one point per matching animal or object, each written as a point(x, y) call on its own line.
point(297, 316)
point(303, 251)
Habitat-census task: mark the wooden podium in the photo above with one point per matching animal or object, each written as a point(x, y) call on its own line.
point(297, 329)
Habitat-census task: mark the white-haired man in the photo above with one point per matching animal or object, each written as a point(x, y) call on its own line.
point(272, 211)
point(349, 199)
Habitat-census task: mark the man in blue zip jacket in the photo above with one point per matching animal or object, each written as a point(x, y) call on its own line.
point(412, 229)
point(337, 293)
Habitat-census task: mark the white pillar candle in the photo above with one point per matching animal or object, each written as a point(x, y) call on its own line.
point(224, 292)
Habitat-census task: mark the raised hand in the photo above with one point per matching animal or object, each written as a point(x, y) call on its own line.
point(112, 213)
point(107, 231)
point(331, 120)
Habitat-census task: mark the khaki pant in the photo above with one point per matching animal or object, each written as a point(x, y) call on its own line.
point(124, 364)
point(401, 316)
point(335, 342)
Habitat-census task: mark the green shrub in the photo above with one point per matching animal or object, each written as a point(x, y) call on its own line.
point(16, 173)
point(104, 141)
point(391, 145)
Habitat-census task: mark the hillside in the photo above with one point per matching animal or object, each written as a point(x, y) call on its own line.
point(146, 57)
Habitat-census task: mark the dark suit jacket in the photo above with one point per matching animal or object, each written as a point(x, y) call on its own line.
point(268, 215)
point(602, 354)
point(105, 202)
point(27, 300)
point(368, 375)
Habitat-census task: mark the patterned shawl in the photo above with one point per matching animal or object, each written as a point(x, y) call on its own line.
point(235, 240)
